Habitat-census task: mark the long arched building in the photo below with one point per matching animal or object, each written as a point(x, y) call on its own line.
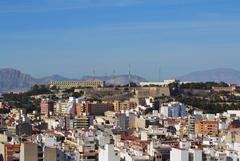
point(69, 84)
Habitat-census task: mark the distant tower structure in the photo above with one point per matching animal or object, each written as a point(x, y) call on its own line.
point(159, 74)
point(129, 76)
point(94, 74)
point(114, 78)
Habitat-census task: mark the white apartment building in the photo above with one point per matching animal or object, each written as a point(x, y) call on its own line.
point(107, 153)
point(162, 83)
point(185, 154)
point(174, 109)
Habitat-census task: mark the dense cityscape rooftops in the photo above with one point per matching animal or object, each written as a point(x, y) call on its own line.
point(133, 128)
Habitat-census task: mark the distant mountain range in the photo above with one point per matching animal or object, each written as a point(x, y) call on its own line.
point(217, 75)
point(15, 80)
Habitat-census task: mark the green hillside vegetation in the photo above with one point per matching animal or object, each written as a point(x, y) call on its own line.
point(25, 100)
point(213, 102)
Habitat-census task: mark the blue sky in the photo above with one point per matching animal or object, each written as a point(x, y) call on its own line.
point(74, 37)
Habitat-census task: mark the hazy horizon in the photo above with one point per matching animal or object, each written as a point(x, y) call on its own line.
point(72, 39)
point(160, 78)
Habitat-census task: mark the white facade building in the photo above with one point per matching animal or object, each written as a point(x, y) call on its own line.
point(162, 84)
point(68, 107)
point(185, 155)
point(174, 109)
point(195, 155)
point(178, 155)
point(108, 153)
point(149, 101)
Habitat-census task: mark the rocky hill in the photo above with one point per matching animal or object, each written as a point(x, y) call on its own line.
point(11, 79)
point(15, 80)
point(217, 75)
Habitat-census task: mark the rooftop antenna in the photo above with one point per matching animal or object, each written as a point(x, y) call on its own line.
point(114, 78)
point(94, 74)
point(159, 74)
point(129, 76)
